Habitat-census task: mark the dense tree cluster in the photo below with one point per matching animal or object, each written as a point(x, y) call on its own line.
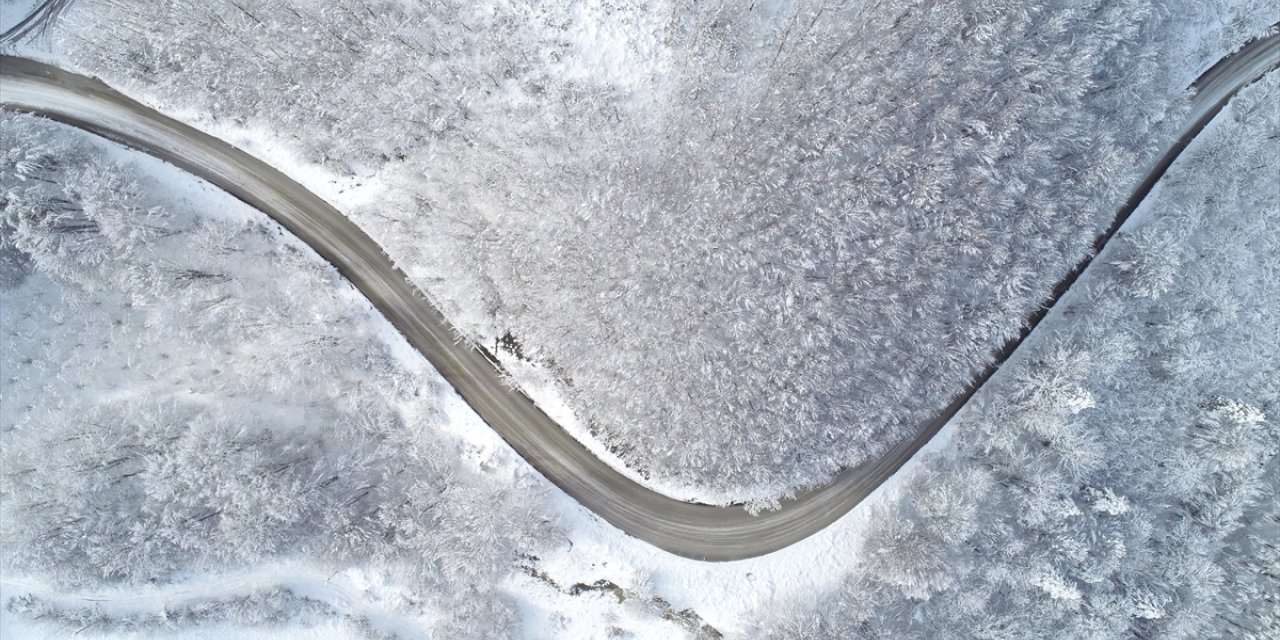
point(185, 386)
point(756, 242)
point(1120, 478)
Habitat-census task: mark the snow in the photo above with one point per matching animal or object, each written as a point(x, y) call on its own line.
point(608, 47)
point(724, 594)
point(13, 11)
point(538, 383)
point(363, 594)
point(352, 594)
point(550, 614)
point(16, 627)
point(349, 193)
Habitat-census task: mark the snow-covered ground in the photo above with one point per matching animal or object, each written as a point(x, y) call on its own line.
point(293, 405)
point(721, 595)
point(729, 597)
point(1108, 483)
point(351, 602)
point(12, 626)
point(13, 11)
point(442, 223)
point(590, 551)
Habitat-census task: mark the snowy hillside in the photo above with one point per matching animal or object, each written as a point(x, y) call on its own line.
point(733, 248)
point(749, 245)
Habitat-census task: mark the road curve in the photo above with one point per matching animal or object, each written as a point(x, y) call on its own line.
point(693, 530)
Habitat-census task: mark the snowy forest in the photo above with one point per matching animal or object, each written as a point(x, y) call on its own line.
point(748, 245)
point(754, 243)
point(177, 395)
point(1119, 479)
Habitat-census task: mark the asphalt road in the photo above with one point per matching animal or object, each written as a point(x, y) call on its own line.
point(693, 530)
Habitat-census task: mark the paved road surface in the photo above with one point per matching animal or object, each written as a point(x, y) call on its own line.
point(693, 530)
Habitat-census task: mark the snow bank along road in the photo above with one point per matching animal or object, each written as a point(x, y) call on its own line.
point(693, 530)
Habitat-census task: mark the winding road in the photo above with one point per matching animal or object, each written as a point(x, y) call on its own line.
point(693, 530)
